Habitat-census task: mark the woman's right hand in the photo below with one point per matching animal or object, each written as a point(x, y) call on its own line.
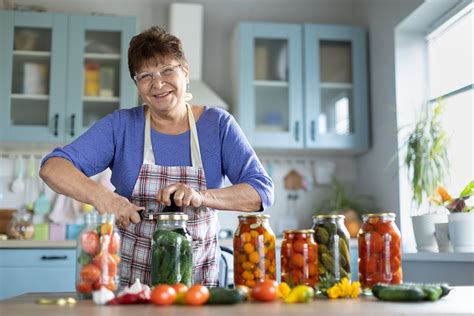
point(113, 203)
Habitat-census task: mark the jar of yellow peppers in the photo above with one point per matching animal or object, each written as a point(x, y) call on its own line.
point(254, 250)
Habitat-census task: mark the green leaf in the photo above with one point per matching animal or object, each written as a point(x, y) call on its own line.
point(468, 190)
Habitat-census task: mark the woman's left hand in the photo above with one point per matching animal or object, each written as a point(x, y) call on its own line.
point(183, 195)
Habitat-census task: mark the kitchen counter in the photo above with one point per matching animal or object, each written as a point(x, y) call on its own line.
point(6, 244)
point(458, 302)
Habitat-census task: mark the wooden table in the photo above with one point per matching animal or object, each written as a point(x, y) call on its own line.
point(458, 302)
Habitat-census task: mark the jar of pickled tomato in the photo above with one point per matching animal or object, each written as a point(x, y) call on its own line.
point(254, 250)
point(299, 258)
point(379, 250)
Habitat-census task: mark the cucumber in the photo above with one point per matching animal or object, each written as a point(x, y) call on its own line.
point(223, 296)
point(399, 293)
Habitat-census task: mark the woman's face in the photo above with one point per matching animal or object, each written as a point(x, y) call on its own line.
point(162, 83)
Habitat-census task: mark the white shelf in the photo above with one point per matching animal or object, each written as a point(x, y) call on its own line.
point(102, 56)
point(439, 256)
point(30, 53)
point(270, 83)
point(100, 99)
point(336, 85)
point(19, 96)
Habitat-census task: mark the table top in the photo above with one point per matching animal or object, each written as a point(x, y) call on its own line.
point(458, 302)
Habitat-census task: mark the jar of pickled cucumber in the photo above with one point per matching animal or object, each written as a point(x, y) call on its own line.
point(254, 250)
point(172, 251)
point(332, 238)
point(299, 258)
point(379, 250)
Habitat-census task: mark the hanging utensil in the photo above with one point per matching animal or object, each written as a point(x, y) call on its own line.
point(18, 185)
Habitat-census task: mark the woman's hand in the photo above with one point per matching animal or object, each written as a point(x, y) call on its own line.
point(183, 195)
point(125, 212)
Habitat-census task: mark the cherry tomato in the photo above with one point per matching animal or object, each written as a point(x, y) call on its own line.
point(84, 287)
point(90, 273)
point(196, 295)
point(265, 291)
point(90, 242)
point(163, 295)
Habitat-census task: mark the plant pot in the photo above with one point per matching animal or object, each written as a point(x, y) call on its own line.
point(424, 229)
point(461, 231)
point(442, 237)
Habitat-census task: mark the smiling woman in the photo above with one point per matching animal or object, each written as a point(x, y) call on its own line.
point(154, 152)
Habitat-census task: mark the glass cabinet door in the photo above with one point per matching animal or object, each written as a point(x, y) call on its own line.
point(335, 87)
point(33, 93)
point(270, 98)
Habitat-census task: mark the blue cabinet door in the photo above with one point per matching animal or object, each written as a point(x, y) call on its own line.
point(336, 101)
point(98, 78)
point(33, 68)
point(269, 67)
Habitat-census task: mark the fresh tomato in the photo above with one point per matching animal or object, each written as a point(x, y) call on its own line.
point(90, 273)
point(163, 295)
point(265, 291)
point(84, 287)
point(196, 295)
point(181, 290)
point(90, 242)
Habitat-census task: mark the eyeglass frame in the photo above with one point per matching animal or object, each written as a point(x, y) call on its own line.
point(156, 74)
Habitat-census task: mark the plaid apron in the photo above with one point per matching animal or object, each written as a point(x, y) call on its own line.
point(202, 223)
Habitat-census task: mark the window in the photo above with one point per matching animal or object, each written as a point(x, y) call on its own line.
point(450, 70)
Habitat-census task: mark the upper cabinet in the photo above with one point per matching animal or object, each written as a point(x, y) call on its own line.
point(302, 86)
point(61, 73)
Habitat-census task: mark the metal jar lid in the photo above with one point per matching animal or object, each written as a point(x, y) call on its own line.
point(254, 216)
point(168, 216)
point(328, 216)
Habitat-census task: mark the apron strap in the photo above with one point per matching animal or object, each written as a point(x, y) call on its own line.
point(149, 157)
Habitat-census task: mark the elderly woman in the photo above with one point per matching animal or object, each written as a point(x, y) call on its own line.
point(163, 149)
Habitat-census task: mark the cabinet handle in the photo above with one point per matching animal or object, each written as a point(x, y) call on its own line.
point(297, 131)
point(73, 117)
point(56, 120)
point(313, 130)
point(53, 257)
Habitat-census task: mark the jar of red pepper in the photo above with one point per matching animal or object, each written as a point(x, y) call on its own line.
point(379, 250)
point(299, 258)
point(254, 250)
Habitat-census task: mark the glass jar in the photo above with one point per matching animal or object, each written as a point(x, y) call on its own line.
point(379, 250)
point(299, 258)
point(332, 238)
point(254, 250)
point(21, 226)
point(172, 251)
point(98, 255)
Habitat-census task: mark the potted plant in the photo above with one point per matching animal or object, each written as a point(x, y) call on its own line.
point(351, 206)
point(427, 164)
point(460, 218)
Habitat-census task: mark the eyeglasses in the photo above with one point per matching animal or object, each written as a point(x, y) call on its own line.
point(146, 78)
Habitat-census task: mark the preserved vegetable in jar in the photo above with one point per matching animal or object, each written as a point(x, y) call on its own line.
point(98, 255)
point(254, 250)
point(299, 258)
point(172, 251)
point(21, 226)
point(379, 250)
point(332, 237)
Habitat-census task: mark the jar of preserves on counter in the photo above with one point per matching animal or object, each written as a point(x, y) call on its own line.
point(254, 250)
point(379, 250)
point(299, 258)
point(332, 238)
point(172, 251)
point(98, 255)
point(21, 226)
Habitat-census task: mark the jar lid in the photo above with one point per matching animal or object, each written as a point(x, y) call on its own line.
point(252, 216)
point(299, 231)
point(178, 216)
point(328, 216)
point(379, 215)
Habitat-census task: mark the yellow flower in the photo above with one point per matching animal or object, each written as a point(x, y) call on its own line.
point(334, 292)
point(345, 287)
point(355, 289)
point(283, 290)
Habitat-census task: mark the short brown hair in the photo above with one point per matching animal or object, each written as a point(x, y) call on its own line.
point(154, 43)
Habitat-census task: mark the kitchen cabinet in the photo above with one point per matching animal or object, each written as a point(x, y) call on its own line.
point(61, 73)
point(36, 270)
point(302, 86)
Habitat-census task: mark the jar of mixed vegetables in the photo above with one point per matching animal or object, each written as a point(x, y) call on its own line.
point(379, 250)
point(98, 256)
point(332, 238)
point(172, 251)
point(254, 250)
point(299, 258)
